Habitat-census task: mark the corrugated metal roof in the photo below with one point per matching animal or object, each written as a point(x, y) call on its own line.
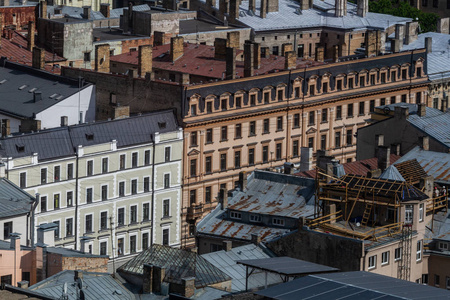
point(97, 286)
point(13, 200)
point(61, 142)
point(117, 12)
point(226, 261)
point(352, 285)
point(178, 264)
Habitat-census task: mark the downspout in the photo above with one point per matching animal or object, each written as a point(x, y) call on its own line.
point(76, 202)
point(287, 116)
point(153, 192)
point(32, 218)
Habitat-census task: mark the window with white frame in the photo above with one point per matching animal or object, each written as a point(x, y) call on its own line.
point(385, 258)
point(165, 236)
point(372, 262)
point(420, 212)
point(408, 214)
point(103, 248)
point(443, 246)
point(278, 221)
point(235, 215)
point(398, 254)
point(255, 218)
point(166, 208)
point(419, 250)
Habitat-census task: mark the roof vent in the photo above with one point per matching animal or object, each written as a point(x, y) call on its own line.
point(32, 90)
point(3, 81)
point(22, 87)
point(89, 136)
point(37, 96)
point(20, 147)
point(162, 125)
point(53, 96)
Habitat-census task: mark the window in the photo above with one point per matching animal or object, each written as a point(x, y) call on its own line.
point(90, 168)
point(88, 224)
point(447, 283)
point(223, 161)
point(209, 135)
point(425, 3)
point(383, 101)
point(362, 81)
point(238, 103)
point(266, 97)
point(223, 104)
point(238, 131)
point(89, 195)
point(278, 221)
point(296, 120)
point(361, 108)
point(265, 154)
point(145, 211)
point(338, 112)
point(278, 151)
point(87, 56)
point(69, 198)
point(324, 115)
point(43, 176)
point(420, 212)
point(235, 215)
point(393, 99)
point(209, 107)
point(266, 126)
point(339, 84)
point(297, 92)
point(167, 154)
point(165, 237)
point(57, 229)
point(372, 262)
point(385, 258)
point(193, 110)
point(121, 216)
point(43, 204)
point(349, 137)
point(350, 110)
point(132, 244)
point(398, 254)
point(419, 250)
point(7, 230)
point(325, 87)
point(122, 189)
point(337, 140)
point(146, 184)
point(23, 180)
point(279, 123)
point(69, 171)
point(193, 167)
point(208, 194)
point(323, 142)
point(103, 220)
point(224, 133)
point(122, 161)
point(443, 246)
point(104, 192)
point(193, 138)
point(408, 214)
point(311, 142)
point(435, 3)
point(418, 97)
point(144, 241)
point(311, 119)
point(147, 157)
point(280, 95)
point(251, 156)
point(69, 227)
point(312, 88)
point(383, 77)
point(193, 197)
point(404, 98)
point(134, 159)
point(351, 83)
point(253, 100)
point(404, 74)
point(166, 208)
point(56, 202)
point(295, 148)
point(134, 186)
point(252, 128)
point(57, 173)
point(133, 214)
point(275, 50)
point(436, 103)
point(103, 248)
point(208, 164)
point(255, 218)
point(120, 247)
point(167, 181)
point(104, 165)
point(372, 79)
point(372, 106)
point(237, 159)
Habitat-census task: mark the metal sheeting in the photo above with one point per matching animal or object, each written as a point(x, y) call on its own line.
point(226, 261)
point(392, 173)
point(435, 124)
point(352, 285)
point(13, 200)
point(178, 264)
point(287, 266)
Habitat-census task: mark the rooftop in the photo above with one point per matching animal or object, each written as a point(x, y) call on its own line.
point(199, 60)
point(349, 285)
point(196, 25)
point(289, 16)
point(178, 264)
point(95, 286)
point(66, 139)
point(13, 200)
point(114, 34)
point(20, 3)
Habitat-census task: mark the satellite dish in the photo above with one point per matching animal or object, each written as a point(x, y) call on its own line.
point(358, 224)
point(386, 110)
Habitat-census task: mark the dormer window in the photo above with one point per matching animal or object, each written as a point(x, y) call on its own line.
point(278, 221)
point(255, 218)
point(235, 215)
point(162, 125)
point(89, 136)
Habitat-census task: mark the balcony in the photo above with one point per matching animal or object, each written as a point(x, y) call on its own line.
point(195, 211)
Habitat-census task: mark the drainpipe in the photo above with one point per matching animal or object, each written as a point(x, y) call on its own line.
point(287, 116)
point(153, 192)
point(76, 202)
point(32, 219)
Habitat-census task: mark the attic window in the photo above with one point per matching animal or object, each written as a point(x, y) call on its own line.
point(162, 125)
point(89, 136)
point(20, 148)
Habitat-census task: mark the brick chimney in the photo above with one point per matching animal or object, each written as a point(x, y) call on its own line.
point(234, 9)
point(429, 44)
point(421, 109)
point(220, 48)
point(158, 278)
point(272, 6)
point(362, 7)
point(176, 48)
point(424, 142)
point(102, 58)
point(145, 60)
point(38, 60)
point(383, 155)
point(287, 47)
point(340, 9)
point(306, 4)
point(443, 25)
point(159, 38)
point(320, 52)
point(233, 39)
point(147, 286)
point(6, 127)
point(105, 10)
point(395, 46)
point(252, 5)
point(290, 60)
point(401, 112)
point(188, 285)
point(256, 239)
point(412, 31)
point(121, 112)
point(87, 12)
point(371, 41)
point(256, 55)
point(400, 34)
point(224, 7)
point(231, 63)
point(248, 59)
point(224, 197)
point(263, 9)
point(227, 245)
point(31, 36)
point(43, 9)
point(243, 180)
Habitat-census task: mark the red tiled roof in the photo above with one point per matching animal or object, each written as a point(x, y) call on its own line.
point(16, 51)
point(360, 167)
point(199, 60)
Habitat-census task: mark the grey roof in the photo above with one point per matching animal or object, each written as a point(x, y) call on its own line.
point(18, 82)
point(178, 264)
point(435, 123)
point(77, 12)
point(391, 172)
point(352, 285)
point(97, 286)
point(287, 266)
point(439, 57)
point(436, 164)
point(13, 200)
point(6, 245)
point(193, 26)
point(64, 140)
point(20, 3)
point(117, 12)
point(441, 228)
point(275, 194)
point(114, 34)
point(226, 261)
point(322, 14)
point(65, 252)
